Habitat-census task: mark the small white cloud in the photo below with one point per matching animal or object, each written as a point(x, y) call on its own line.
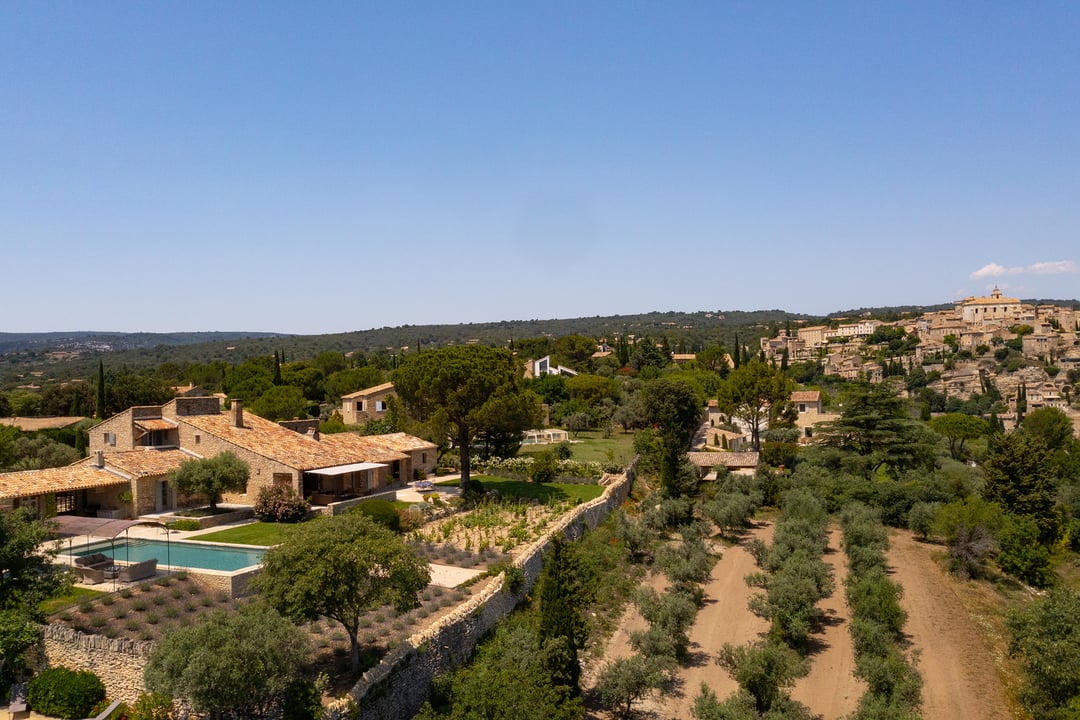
point(991, 270)
point(1055, 267)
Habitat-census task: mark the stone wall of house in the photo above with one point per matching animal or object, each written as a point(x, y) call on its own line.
point(261, 469)
point(399, 685)
point(120, 425)
point(119, 663)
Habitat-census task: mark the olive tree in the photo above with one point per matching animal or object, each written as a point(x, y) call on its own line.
point(229, 664)
point(212, 476)
point(339, 568)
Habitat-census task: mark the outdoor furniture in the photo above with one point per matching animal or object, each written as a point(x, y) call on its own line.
point(97, 560)
point(424, 485)
point(91, 576)
point(138, 571)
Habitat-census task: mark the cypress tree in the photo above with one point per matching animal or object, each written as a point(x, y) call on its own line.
point(100, 409)
point(277, 369)
point(784, 360)
point(736, 359)
point(559, 617)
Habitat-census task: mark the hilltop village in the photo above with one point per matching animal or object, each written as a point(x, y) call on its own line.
point(1030, 354)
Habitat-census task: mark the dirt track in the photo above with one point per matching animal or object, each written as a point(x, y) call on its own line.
point(959, 679)
point(960, 682)
point(831, 689)
point(723, 618)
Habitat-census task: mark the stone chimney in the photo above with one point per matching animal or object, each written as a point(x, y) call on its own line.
point(313, 433)
point(99, 459)
point(238, 413)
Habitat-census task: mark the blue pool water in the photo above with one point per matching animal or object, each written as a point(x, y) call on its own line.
point(177, 553)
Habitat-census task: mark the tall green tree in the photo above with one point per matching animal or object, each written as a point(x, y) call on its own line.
point(560, 616)
point(27, 577)
point(1051, 426)
point(340, 568)
point(752, 392)
point(212, 476)
point(875, 425)
point(675, 412)
point(1019, 478)
point(99, 410)
point(456, 382)
point(958, 428)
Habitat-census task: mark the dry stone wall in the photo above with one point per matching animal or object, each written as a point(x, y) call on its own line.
point(119, 663)
point(397, 687)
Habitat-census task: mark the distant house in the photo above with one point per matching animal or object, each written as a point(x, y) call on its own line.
point(367, 404)
point(808, 403)
point(744, 463)
point(543, 366)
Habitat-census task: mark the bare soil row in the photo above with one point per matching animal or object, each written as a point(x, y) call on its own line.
point(960, 681)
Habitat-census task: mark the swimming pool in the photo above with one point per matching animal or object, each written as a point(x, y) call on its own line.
point(176, 553)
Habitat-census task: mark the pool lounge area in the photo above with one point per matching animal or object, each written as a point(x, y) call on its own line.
point(123, 559)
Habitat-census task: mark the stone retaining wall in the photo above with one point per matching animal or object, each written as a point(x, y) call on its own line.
point(397, 687)
point(119, 663)
point(211, 521)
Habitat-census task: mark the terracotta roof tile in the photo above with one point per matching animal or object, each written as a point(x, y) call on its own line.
point(28, 483)
point(806, 396)
point(727, 459)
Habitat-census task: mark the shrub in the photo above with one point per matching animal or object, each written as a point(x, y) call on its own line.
point(64, 693)
point(382, 512)
point(151, 706)
point(280, 503)
point(184, 525)
point(1021, 553)
point(544, 467)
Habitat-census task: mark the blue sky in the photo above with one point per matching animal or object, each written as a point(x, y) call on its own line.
point(325, 167)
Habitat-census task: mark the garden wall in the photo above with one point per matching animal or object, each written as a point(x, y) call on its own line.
point(397, 687)
point(119, 663)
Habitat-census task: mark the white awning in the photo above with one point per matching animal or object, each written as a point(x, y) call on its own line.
point(345, 469)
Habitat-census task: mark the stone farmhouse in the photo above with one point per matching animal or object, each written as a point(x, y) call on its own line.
point(133, 453)
point(367, 404)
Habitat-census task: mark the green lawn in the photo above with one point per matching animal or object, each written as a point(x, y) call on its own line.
point(593, 446)
point(256, 533)
point(541, 491)
point(73, 596)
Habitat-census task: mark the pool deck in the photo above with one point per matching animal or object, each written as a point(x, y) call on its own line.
point(442, 575)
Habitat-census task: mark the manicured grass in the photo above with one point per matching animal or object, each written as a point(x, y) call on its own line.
point(541, 491)
point(593, 446)
point(256, 533)
point(73, 596)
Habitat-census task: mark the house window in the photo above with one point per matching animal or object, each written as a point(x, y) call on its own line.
point(380, 406)
point(802, 407)
point(65, 502)
point(423, 458)
point(197, 439)
point(360, 406)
